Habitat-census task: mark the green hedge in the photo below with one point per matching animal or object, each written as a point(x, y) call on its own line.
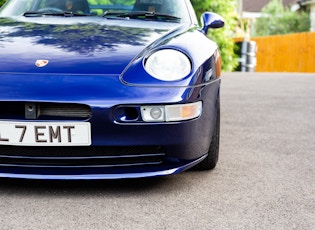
point(278, 19)
point(224, 36)
point(2, 2)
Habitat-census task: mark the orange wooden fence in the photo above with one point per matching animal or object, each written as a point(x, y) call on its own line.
point(286, 53)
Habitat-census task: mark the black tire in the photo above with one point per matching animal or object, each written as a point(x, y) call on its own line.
point(213, 154)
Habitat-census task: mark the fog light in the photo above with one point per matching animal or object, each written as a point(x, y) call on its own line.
point(152, 113)
point(156, 113)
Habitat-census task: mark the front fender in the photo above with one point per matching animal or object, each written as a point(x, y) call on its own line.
point(201, 51)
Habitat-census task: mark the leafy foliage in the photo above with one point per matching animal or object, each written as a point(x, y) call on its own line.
point(226, 8)
point(2, 2)
point(277, 19)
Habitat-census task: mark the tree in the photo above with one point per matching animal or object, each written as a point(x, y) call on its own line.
point(2, 2)
point(223, 37)
point(276, 19)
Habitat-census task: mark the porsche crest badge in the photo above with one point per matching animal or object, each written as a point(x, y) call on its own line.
point(41, 63)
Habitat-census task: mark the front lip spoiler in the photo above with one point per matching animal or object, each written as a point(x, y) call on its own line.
point(164, 172)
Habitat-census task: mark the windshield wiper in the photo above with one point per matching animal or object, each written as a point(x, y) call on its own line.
point(142, 15)
point(60, 14)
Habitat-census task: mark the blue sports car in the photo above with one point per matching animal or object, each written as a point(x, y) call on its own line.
point(107, 89)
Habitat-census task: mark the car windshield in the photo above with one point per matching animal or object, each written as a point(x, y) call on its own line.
point(168, 10)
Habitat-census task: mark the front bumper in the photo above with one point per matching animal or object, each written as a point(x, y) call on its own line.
point(177, 146)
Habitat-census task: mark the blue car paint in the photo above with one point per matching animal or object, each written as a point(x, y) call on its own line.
point(67, 46)
point(107, 79)
point(127, 173)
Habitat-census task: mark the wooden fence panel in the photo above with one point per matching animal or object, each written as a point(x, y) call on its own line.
point(286, 53)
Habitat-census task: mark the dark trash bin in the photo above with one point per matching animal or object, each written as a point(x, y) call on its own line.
point(246, 51)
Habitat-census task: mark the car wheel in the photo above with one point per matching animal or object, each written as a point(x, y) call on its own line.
point(213, 154)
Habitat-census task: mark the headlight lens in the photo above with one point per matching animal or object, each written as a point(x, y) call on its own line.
point(168, 65)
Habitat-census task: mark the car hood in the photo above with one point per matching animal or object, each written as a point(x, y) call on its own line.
point(81, 46)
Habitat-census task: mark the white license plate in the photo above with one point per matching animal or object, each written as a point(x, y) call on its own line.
point(45, 133)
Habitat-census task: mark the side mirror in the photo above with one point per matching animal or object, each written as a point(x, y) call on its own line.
point(211, 21)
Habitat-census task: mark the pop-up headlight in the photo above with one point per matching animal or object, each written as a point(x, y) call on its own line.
point(168, 65)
